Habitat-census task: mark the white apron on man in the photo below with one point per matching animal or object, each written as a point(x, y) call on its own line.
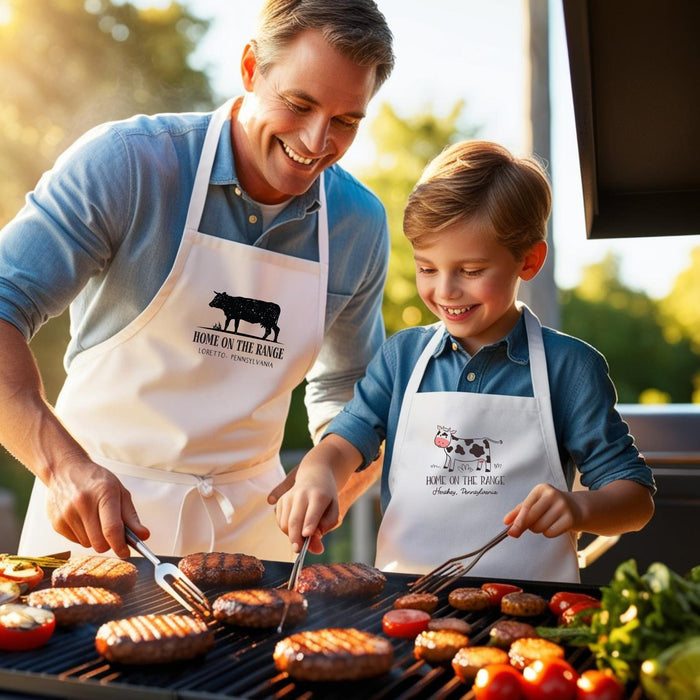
point(187, 407)
point(461, 461)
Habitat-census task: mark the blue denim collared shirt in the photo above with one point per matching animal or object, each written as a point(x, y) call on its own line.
point(591, 436)
point(101, 231)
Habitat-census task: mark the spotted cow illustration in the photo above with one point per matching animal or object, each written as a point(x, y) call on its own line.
point(266, 313)
point(463, 450)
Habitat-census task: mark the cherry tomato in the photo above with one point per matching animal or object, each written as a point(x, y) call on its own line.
point(599, 685)
point(564, 599)
point(24, 627)
point(496, 591)
point(571, 614)
point(498, 682)
point(405, 622)
point(554, 679)
point(25, 574)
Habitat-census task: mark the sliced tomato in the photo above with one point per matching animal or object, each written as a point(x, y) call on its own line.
point(575, 613)
point(496, 591)
point(24, 627)
point(563, 599)
point(554, 679)
point(405, 622)
point(599, 685)
point(26, 574)
point(497, 682)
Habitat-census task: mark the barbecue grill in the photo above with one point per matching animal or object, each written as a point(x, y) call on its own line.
point(241, 665)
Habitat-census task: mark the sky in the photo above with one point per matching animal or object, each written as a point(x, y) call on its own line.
point(472, 50)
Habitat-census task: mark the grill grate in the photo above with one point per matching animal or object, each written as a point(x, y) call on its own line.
point(241, 665)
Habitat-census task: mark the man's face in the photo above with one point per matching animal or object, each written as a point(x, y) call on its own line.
point(299, 118)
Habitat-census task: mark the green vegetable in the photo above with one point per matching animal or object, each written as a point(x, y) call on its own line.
point(675, 673)
point(640, 617)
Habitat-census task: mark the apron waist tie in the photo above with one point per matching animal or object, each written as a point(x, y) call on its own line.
point(203, 485)
point(206, 489)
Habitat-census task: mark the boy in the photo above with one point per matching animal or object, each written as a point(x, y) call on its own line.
point(486, 415)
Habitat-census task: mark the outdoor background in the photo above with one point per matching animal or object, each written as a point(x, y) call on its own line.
point(462, 71)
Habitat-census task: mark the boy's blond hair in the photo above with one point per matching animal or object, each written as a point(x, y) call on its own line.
point(355, 28)
point(481, 181)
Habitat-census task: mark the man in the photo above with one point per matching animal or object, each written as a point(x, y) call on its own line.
point(211, 263)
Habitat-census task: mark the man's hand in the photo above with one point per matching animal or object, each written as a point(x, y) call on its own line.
point(88, 504)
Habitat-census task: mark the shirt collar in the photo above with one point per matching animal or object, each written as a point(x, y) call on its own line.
point(517, 349)
point(223, 172)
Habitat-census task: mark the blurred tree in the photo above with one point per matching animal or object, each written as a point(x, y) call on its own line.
point(681, 308)
point(65, 66)
point(403, 148)
point(630, 330)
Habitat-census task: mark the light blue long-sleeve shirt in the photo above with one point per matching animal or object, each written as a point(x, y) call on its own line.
point(590, 434)
point(102, 228)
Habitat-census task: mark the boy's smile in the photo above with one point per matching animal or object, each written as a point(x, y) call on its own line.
point(470, 282)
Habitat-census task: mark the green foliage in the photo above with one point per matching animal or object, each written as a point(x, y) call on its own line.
point(630, 330)
point(681, 308)
point(404, 146)
point(64, 69)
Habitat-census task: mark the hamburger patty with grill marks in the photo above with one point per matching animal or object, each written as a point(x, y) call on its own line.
point(333, 654)
point(93, 570)
point(153, 639)
point(341, 579)
point(77, 605)
point(222, 569)
point(260, 607)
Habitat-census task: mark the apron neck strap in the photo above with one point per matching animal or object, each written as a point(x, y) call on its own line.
point(206, 163)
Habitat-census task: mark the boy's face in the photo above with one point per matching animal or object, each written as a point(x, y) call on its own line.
point(299, 118)
point(470, 282)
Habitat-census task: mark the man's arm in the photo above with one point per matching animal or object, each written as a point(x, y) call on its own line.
point(87, 503)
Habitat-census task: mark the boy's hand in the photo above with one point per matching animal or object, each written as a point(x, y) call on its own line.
point(545, 510)
point(309, 508)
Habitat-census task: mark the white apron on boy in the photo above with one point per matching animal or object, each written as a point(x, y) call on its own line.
point(461, 461)
point(188, 408)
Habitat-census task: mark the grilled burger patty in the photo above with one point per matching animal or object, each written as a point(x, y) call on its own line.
point(260, 607)
point(153, 639)
point(525, 650)
point(340, 654)
point(468, 660)
point(523, 604)
point(469, 599)
point(417, 601)
point(93, 570)
point(450, 623)
point(222, 569)
point(341, 579)
point(505, 632)
point(438, 646)
point(77, 605)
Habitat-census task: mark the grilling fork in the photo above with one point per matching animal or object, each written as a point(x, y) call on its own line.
point(291, 584)
point(448, 572)
point(171, 579)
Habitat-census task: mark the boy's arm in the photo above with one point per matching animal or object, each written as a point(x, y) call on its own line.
point(310, 507)
point(618, 507)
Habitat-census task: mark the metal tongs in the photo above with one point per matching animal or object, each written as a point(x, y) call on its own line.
point(292, 583)
point(171, 579)
point(448, 572)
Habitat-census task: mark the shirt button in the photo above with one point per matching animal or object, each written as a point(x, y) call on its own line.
point(471, 377)
point(454, 347)
point(237, 191)
point(252, 219)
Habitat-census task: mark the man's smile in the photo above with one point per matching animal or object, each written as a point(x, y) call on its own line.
point(295, 156)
